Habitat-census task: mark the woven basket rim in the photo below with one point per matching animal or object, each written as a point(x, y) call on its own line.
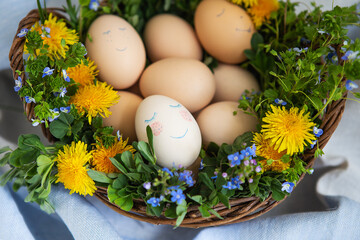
point(242, 209)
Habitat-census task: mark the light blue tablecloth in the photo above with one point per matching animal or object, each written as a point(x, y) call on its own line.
point(306, 214)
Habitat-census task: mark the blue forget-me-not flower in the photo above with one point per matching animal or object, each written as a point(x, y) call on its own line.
point(155, 202)
point(350, 55)
point(287, 186)
point(23, 32)
point(177, 196)
point(65, 109)
point(313, 143)
point(18, 84)
point(65, 75)
point(318, 132)
point(47, 72)
point(29, 99)
point(147, 185)
point(94, 5)
point(235, 159)
point(350, 85)
point(280, 102)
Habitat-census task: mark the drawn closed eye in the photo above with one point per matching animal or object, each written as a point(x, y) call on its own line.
point(175, 106)
point(152, 118)
point(107, 32)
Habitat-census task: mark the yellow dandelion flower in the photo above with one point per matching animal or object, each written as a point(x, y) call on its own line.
point(82, 73)
point(276, 165)
point(261, 11)
point(247, 3)
point(288, 130)
point(54, 31)
point(101, 155)
point(72, 171)
point(265, 149)
point(94, 99)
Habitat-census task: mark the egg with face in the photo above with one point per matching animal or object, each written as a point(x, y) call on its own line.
point(224, 30)
point(117, 50)
point(177, 137)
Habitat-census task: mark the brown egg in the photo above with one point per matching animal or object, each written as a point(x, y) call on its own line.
point(188, 81)
point(117, 50)
point(224, 30)
point(167, 35)
point(232, 81)
point(123, 115)
point(218, 124)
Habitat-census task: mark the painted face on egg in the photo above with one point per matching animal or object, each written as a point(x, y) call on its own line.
point(241, 26)
point(117, 50)
point(177, 138)
point(121, 44)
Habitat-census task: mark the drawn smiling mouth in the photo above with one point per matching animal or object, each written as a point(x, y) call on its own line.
point(182, 136)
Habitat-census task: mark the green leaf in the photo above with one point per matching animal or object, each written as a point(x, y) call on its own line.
point(125, 203)
point(277, 194)
point(4, 149)
point(215, 213)
point(45, 193)
point(99, 176)
point(21, 157)
point(8, 176)
point(43, 163)
point(204, 210)
point(5, 159)
point(150, 137)
point(256, 39)
point(196, 198)
point(134, 176)
point(254, 185)
point(316, 102)
point(171, 211)
point(182, 207)
point(27, 141)
point(120, 182)
point(154, 210)
point(118, 165)
point(127, 160)
point(112, 193)
point(97, 122)
point(318, 153)
point(47, 207)
point(224, 199)
point(285, 158)
point(271, 93)
point(76, 128)
point(204, 178)
point(220, 181)
point(247, 137)
point(61, 126)
point(145, 151)
point(180, 219)
point(30, 196)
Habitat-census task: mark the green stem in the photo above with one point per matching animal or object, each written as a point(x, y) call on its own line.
point(81, 25)
point(327, 103)
point(358, 101)
point(306, 97)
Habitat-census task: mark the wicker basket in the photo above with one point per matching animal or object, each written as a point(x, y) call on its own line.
point(242, 209)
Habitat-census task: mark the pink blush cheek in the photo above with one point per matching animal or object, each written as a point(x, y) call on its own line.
point(156, 128)
point(185, 115)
